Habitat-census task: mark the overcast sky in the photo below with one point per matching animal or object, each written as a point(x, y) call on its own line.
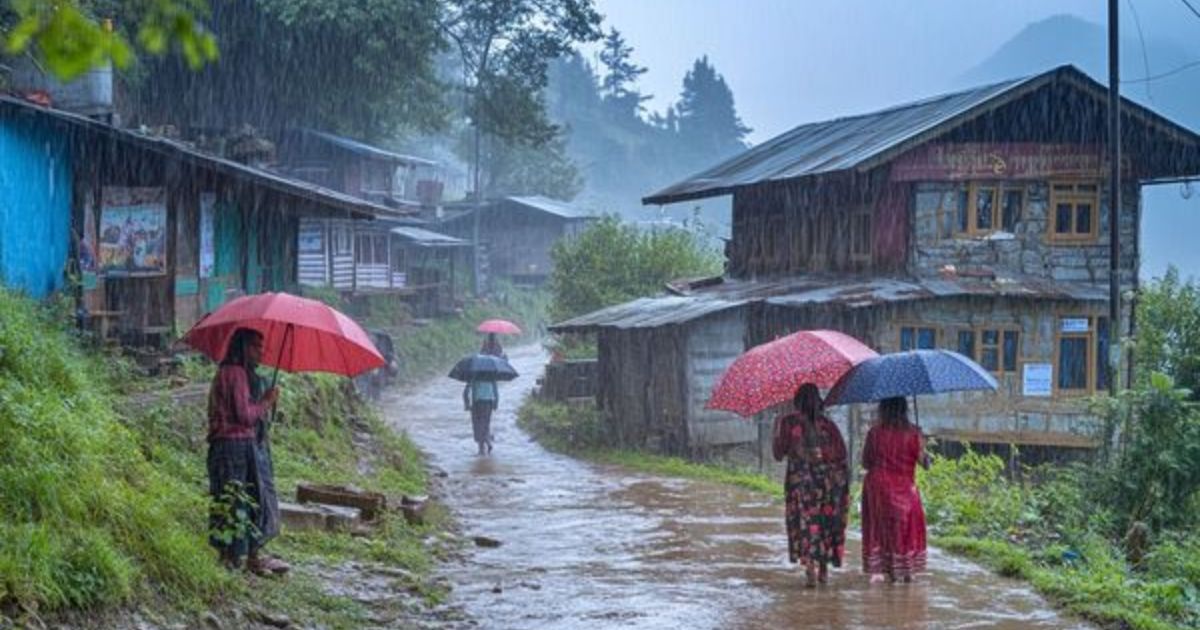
point(794, 61)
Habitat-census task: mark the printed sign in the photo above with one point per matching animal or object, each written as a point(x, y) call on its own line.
point(133, 231)
point(1074, 325)
point(1037, 379)
point(208, 203)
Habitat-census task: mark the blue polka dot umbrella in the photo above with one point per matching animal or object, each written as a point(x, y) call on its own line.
point(911, 373)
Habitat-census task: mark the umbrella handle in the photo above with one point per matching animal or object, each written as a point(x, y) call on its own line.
point(916, 413)
point(287, 333)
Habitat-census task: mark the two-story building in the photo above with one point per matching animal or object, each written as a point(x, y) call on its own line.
point(976, 221)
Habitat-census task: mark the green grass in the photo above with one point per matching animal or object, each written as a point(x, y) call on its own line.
point(104, 506)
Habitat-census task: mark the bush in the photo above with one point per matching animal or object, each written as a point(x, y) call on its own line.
point(570, 428)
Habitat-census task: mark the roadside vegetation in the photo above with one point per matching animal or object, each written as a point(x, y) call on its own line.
point(103, 492)
point(1112, 540)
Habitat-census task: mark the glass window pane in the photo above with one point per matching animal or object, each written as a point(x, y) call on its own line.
point(1013, 199)
point(906, 338)
point(1010, 351)
point(1062, 218)
point(926, 338)
point(963, 210)
point(966, 343)
point(1083, 218)
point(1072, 363)
point(989, 337)
point(989, 358)
point(984, 202)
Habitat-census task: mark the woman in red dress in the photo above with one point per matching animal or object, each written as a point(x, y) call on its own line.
point(817, 485)
point(893, 521)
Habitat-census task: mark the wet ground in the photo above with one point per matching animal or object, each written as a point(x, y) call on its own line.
point(589, 546)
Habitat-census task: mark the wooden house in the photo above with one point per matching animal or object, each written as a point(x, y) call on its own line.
point(149, 232)
point(514, 235)
point(359, 169)
point(975, 221)
point(382, 256)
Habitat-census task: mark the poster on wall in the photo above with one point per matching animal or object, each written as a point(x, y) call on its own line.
point(1037, 380)
point(208, 204)
point(133, 231)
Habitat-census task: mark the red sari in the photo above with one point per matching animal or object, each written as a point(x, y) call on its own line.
point(817, 491)
point(893, 521)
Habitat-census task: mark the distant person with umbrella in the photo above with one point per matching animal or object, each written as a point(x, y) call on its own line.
point(240, 472)
point(493, 327)
point(817, 484)
point(893, 520)
point(481, 394)
point(491, 345)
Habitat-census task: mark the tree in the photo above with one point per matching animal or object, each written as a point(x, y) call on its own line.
point(70, 37)
point(611, 262)
point(707, 119)
point(505, 47)
point(1168, 331)
point(522, 170)
point(617, 84)
point(360, 67)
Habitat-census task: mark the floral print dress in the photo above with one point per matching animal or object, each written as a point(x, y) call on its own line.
point(817, 491)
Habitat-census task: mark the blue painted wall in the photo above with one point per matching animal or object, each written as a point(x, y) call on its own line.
point(35, 205)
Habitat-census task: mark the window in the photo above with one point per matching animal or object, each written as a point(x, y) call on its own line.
point(1074, 211)
point(341, 241)
point(1082, 355)
point(860, 236)
point(371, 249)
point(993, 348)
point(917, 338)
point(986, 207)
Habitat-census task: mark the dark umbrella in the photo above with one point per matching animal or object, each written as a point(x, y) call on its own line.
point(909, 373)
point(485, 367)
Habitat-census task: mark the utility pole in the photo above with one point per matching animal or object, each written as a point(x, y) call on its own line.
point(1114, 203)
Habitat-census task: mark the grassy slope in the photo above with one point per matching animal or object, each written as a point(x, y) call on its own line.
point(100, 509)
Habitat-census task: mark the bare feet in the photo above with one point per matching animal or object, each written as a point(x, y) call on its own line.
point(810, 578)
point(823, 576)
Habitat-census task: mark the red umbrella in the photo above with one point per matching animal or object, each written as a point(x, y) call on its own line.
point(769, 374)
point(499, 326)
point(299, 335)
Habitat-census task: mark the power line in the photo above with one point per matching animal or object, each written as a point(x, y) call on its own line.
point(1186, 66)
point(1137, 21)
point(1190, 7)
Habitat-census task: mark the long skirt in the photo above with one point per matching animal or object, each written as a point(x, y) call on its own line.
point(893, 526)
point(818, 501)
point(245, 509)
point(481, 421)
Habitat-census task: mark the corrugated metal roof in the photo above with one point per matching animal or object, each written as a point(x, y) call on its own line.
point(865, 141)
point(275, 181)
point(803, 291)
point(551, 206)
point(648, 313)
point(362, 148)
point(428, 238)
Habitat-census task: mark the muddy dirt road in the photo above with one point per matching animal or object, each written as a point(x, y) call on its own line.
point(587, 546)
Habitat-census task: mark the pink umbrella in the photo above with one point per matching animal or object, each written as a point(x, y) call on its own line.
point(499, 326)
point(769, 374)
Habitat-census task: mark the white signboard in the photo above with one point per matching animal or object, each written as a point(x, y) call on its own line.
point(208, 202)
point(1037, 379)
point(1074, 324)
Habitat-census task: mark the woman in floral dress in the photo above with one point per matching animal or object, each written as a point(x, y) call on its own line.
point(817, 485)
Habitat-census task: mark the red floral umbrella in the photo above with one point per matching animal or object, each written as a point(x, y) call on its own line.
point(769, 374)
point(499, 326)
point(299, 335)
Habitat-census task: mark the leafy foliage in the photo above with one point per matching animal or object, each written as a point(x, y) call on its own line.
point(1168, 334)
point(611, 262)
point(69, 39)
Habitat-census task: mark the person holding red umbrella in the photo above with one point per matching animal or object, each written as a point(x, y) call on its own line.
point(241, 476)
point(817, 485)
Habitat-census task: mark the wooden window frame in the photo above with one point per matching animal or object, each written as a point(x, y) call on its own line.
point(977, 347)
point(1093, 353)
point(899, 330)
point(343, 241)
point(1073, 197)
point(1000, 189)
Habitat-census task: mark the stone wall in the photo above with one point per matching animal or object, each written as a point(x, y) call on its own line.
point(1025, 252)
